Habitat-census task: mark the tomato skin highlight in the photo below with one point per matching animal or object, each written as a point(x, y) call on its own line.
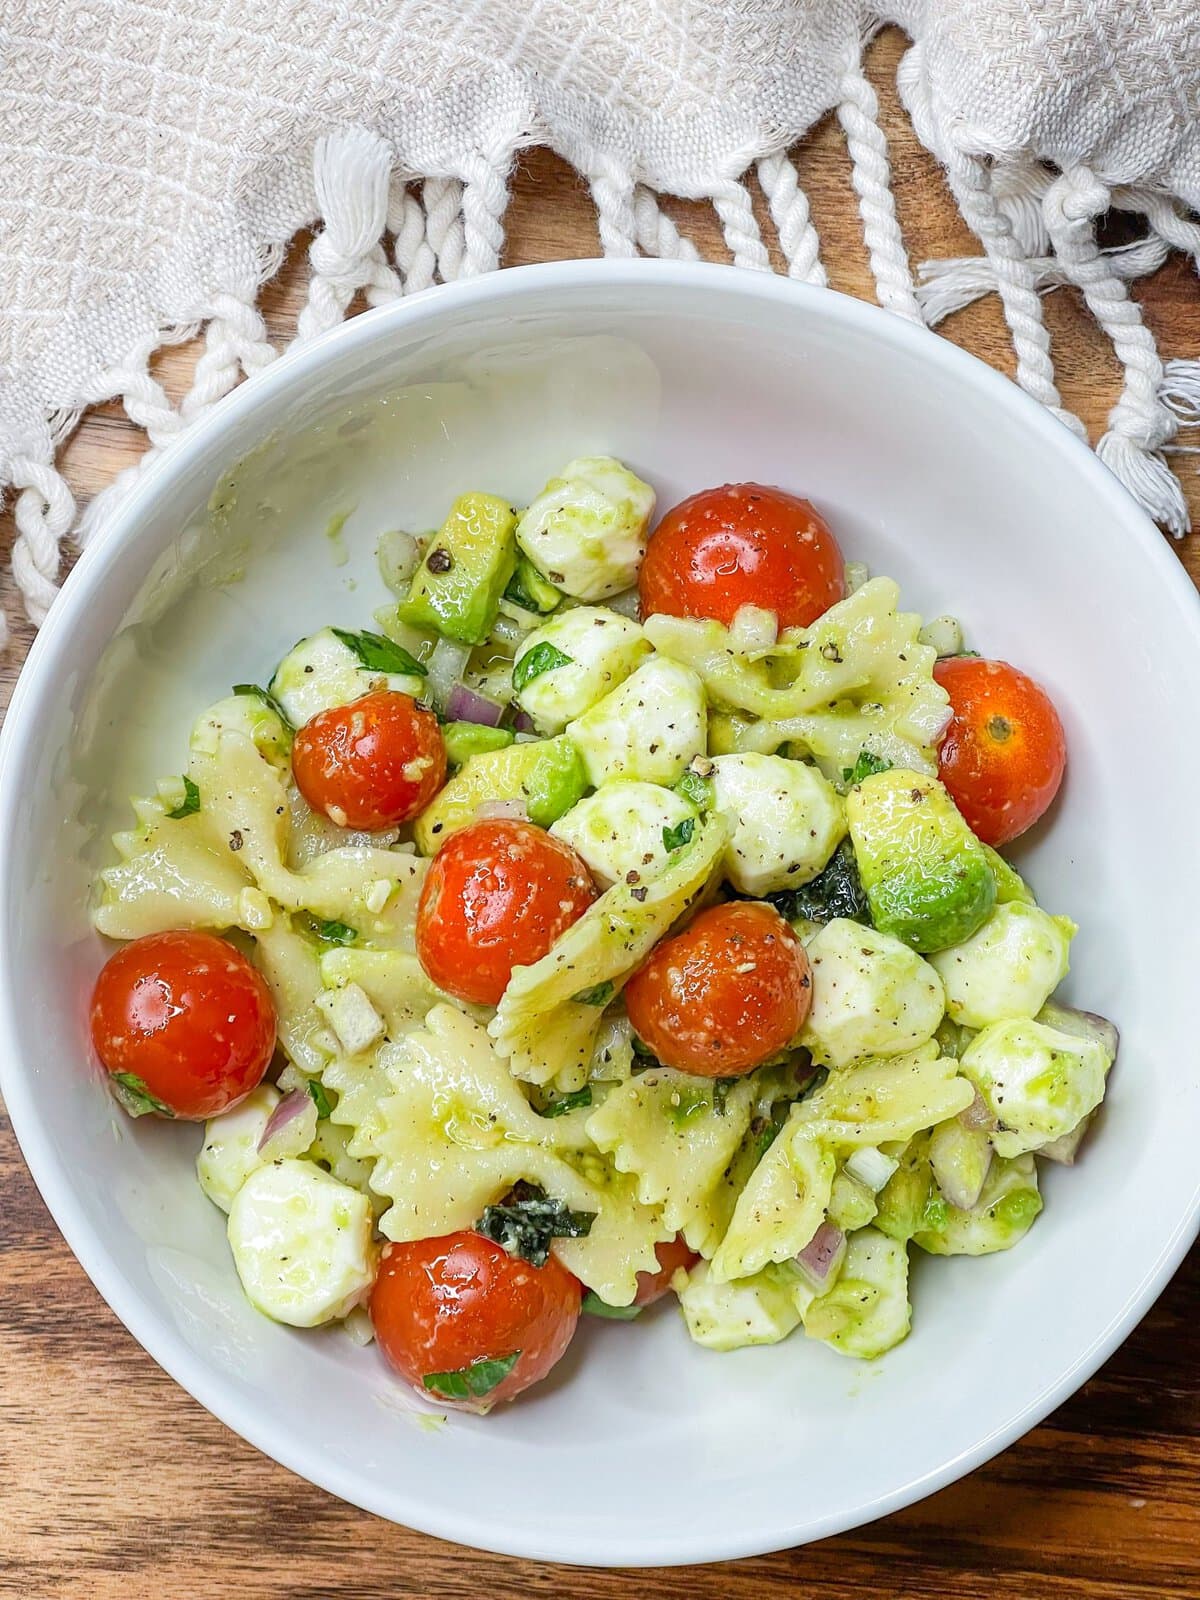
point(371, 764)
point(1004, 752)
point(697, 1012)
point(496, 896)
point(189, 1016)
point(672, 1254)
point(743, 544)
point(439, 1305)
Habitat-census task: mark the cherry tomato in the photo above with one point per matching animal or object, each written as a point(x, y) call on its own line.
point(742, 545)
point(441, 1305)
point(1004, 753)
point(672, 1254)
point(497, 896)
point(183, 1023)
point(729, 992)
point(371, 764)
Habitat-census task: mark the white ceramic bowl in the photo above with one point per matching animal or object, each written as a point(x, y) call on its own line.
point(930, 467)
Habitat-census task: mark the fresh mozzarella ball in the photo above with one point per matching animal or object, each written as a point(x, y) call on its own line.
point(787, 821)
point(620, 828)
point(648, 729)
point(302, 1243)
point(748, 1311)
point(248, 714)
point(322, 671)
point(872, 995)
point(1008, 969)
point(229, 1153)
point(1038, 1082)
point(586, 531)
point(601, 648)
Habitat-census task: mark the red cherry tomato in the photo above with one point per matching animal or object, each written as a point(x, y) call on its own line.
point(183, 1023)
point(726, 994)
point(1004, 753)
point(497, 896)
point(371, 764)
point(442, 1305)
point(744, 544)
point(672, 1254)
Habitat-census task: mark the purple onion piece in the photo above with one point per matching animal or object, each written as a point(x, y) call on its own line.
point(523, 723)
point(289, 1108)
point(977, 1116)
point(464, 705)
point(821, 1253)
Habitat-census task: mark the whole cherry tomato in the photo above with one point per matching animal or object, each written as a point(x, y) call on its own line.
point(1004, 753)
point(744, 544)
point(496, 896)
point(371, 764)
point(726, 994)
point(672, 1254)
point(457, 1310)
point(183, 1023)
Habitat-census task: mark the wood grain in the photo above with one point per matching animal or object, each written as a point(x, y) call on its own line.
point(113, 1483)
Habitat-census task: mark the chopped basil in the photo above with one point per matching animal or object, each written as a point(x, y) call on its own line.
point(544, 657)
point(378, 654)
point(600, 995)
point(529, 590)
point(135, 1097)
point(267, 698)
point(191, 802)
point(568, 1102)
point(699, 791)
point(675, 838)
point(319, 1098)
point(525, 1223)
point(473, 1382)
point(865, 767)
point(593, 1306)
point(333, 932)
point(836, 891)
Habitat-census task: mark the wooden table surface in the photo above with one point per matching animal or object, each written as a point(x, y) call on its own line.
point(114, 1483)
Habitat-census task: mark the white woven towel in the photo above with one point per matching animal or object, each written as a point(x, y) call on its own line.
point(159, 157)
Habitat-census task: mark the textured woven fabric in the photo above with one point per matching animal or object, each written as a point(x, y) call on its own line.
point(159, 157)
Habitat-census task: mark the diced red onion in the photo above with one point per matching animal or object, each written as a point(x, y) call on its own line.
point(492, 810)
point(1065, 1148)
point(445, 669)
point(1083, 1025)
point(625, 604)
point(285, 1113)
point(523, 723)
point(978, 1116)
point(821, 1254)
point(464, 705)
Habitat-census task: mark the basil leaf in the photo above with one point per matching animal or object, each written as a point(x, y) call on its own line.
point(133, 1095)
point(333, 932)
point(569, 1102)
point(865, 767)
point(675, 838)
point(544, 657)
point(378, 654)
point(473, 1382)
point(699, 791)
point(267, 698)
point(320, 1099)
point(836, 891)
point(593, 1306)
point(191, 802)
point(600, 995)
point(526, 1222)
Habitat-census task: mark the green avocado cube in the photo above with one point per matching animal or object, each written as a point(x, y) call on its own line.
point(927, 878)
point(466, 739)
point(545, 774)
point(456, 589)
point(528, 589)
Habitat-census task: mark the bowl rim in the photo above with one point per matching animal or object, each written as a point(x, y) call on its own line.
point(49, 658)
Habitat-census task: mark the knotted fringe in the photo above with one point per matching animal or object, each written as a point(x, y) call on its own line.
point(383, 233)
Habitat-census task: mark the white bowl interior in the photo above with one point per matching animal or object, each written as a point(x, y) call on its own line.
point(644, 1448)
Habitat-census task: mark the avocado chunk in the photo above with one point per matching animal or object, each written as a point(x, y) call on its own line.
point(466, 566)
point(927, 878)
point(546, 774)
point(528, 589)
point(466, 739)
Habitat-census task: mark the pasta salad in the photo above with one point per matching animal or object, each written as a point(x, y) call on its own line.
point(621, 918)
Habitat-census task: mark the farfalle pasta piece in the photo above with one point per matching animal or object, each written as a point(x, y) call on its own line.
point(857, 679)
point(541, 1027)
point(781, 1207)
point(883, 1101)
